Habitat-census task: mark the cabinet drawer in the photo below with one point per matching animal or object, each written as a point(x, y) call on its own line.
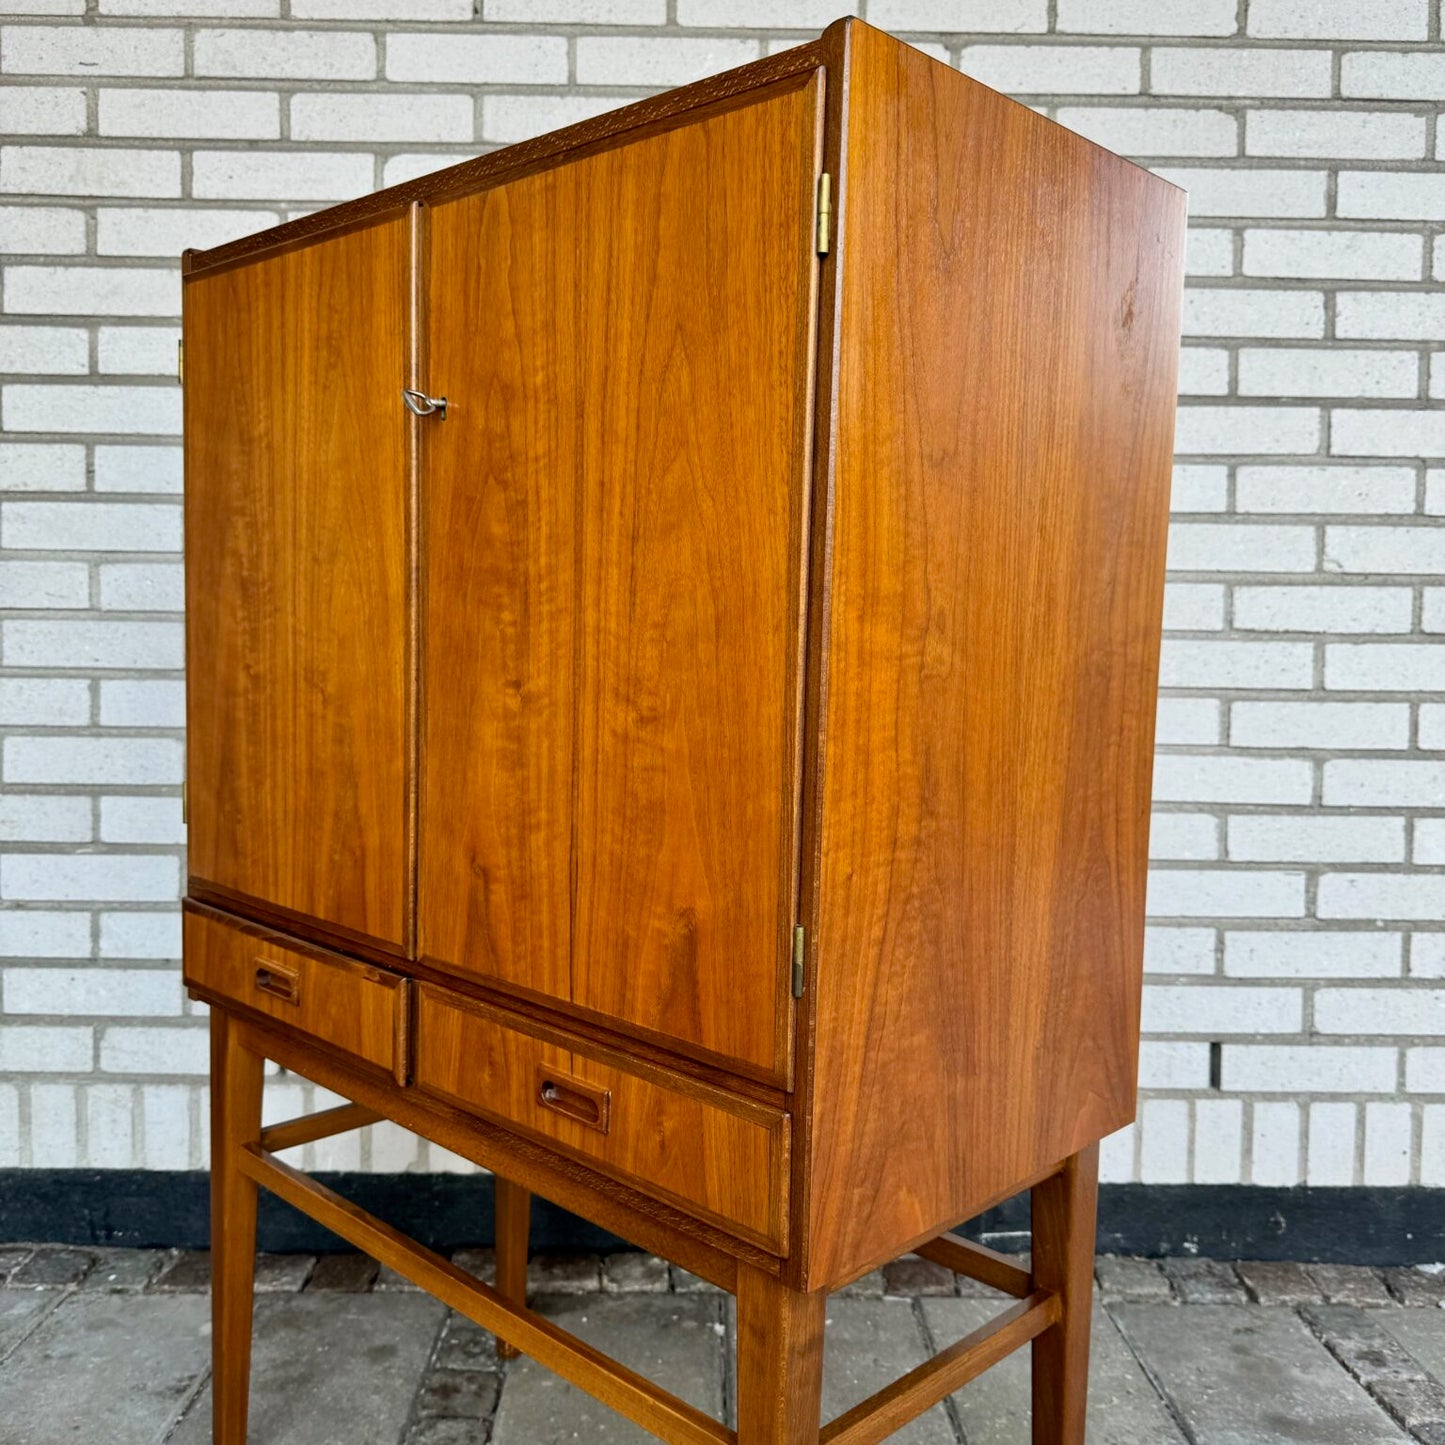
point(707, 1151)
point(352, 1006)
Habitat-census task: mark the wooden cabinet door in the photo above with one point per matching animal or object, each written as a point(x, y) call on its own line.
point(296, 582)
point(615, 515)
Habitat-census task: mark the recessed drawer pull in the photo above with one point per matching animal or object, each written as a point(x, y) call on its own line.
point(279, 981)
point(583, 1102)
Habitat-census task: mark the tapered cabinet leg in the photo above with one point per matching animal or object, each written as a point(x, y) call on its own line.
point(1065, 1210)
point(780, 1361)
point(235, 1121)
point(514, 1223)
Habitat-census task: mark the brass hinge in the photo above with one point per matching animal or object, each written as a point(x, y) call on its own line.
point(799, 945)
point(185, 803)
point(825, 212)
point(181, 362)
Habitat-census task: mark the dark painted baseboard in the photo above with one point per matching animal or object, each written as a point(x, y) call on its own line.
point(448, 1211)
point(1237, 1221)
point(145, 1209)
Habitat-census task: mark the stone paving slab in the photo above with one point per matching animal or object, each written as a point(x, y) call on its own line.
point(994, 1409)
point(674, 1340)
point(1367, 1351)
point(869, 1343)
point(330, 1369)
point(1421, 1332)
point(119, 1341)
point(20, 1312)
point(12, 1256)
point(1419, 1405)
point(105, 1367)
point(1251, 1376)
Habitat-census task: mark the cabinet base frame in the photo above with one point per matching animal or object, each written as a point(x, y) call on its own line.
point(780, 1330)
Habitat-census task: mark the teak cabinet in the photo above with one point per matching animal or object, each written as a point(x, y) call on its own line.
point(673, 621)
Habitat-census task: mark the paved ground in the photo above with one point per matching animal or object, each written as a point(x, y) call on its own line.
point(111, 1346)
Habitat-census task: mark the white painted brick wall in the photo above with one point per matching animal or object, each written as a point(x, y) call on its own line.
point(1240, 72)
point(1339, 19)
point(1330, 1160)
point(1323, 609)
point(1335, 488)
point(1275, 1152)
point(1387, 1156)
point(1177, 950)
point(1298, 889)
point(1311, 954)
point(1253, 312)
point(88, 171)
point(1332, 255)
point(1289, 838)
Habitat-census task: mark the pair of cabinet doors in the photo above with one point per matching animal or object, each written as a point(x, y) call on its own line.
point(517, 691)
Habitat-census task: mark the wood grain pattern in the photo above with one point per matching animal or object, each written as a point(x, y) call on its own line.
point(513, 1208)
point(574, 702)
point(354, 1007)
point(615, 535)
point(779, 1362)
point(651, 1224)
point(1064, 1212)
point(691, 599)
point(701, 1148)
point(236, 1076)
point(308, 1128)
point(296, 581)
point(499, 559)
point(837, 43)
point(1009, 328)
point(978, 1261)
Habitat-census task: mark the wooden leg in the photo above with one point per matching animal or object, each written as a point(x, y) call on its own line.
point(780, 1361)
point(514, 1222)
point(235, 1121)
point(1064, 1219)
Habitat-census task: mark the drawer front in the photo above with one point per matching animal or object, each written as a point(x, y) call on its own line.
point(352, 1006)
point(708, 1152)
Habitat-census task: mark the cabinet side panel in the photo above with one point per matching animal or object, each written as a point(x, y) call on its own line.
point(1005, 420)
point(296, 581)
